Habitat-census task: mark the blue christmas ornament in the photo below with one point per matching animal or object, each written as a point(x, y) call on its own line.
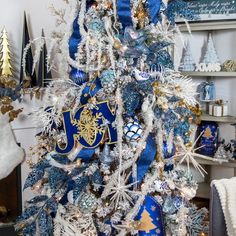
point(151, 218)
point(168, 167)
point(209, 138)
point(132, 98)
point(166, 152)
point(78, 76)
point(133, 131)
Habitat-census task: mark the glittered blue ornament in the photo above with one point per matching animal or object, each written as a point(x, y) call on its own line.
point(132, 98)
point(14, 94)
point(78, 76)
point(168, 167)
point(164, 58)
point(166, 152)
point(133, 131)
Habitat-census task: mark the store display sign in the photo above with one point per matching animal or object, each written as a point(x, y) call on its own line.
point(211, 10)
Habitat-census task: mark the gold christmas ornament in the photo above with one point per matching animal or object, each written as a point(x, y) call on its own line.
point(6, 68)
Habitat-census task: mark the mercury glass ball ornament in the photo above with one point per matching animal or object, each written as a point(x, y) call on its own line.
point(87, 202)
point(133, 131)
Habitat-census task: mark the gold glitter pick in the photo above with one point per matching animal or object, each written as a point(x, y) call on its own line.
point(141, 14)
point(6, 68)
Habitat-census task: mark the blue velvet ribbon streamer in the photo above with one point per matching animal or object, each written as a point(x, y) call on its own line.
point(124, 12)
point(75, 39)
point(86, 154)
point(153, 10)
point(146, 158)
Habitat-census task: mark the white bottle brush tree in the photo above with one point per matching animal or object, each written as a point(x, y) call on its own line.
point(187, 61)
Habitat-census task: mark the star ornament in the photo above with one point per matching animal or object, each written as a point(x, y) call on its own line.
point(188, 154)
point(120, 191)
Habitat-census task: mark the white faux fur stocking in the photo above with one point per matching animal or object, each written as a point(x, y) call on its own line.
point(11, 155)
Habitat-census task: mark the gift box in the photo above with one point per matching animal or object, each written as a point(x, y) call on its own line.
point(219, 108)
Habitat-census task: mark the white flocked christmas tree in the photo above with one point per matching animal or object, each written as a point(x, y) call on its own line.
point(210, 62)
point(188, 63)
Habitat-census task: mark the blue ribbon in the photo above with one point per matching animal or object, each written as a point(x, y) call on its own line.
point(153, 10)
point(75, 39)
point(90, 90)
point(146, 158)
point(86, 154)
point(124, 12)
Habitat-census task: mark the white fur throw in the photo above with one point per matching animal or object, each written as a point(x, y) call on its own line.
point(11, 155)
point(227, 194)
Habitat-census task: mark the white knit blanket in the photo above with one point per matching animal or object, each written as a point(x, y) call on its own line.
point(227, 194)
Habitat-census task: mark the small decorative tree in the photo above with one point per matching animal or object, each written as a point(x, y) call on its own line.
point(6, 68)
point(188, 63)
point(211, 54)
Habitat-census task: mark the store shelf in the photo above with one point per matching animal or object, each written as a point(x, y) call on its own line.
point(204, 190)
point(209, 74)
point(220, 119)
point(215, 162)
point(206, 26)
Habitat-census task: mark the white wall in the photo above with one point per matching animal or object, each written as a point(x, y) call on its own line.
point(39, 17)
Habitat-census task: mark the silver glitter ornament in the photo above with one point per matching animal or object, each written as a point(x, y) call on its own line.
point(87, 202)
